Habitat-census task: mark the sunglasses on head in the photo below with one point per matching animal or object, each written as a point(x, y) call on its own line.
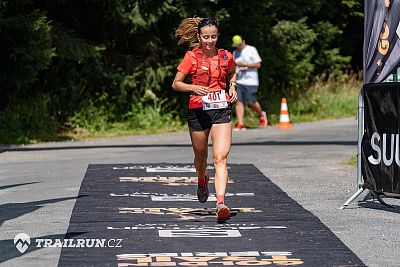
point(207, 21)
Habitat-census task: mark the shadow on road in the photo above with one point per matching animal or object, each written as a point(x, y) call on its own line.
point(369, 202)
point(15, 185)
point(11, 211)
point(263, 143)
point(378, 206)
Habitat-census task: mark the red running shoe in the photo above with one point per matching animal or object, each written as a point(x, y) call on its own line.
point(202, 191)
point(263, 120)
point(239, 127)
point(223, 212)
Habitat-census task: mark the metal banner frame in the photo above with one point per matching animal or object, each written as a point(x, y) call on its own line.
point(360, 119)
point(381, 59)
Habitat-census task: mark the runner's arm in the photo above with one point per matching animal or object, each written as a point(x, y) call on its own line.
point(232, 75)
point(256, 65)
point(179, 85)
point(232, 83)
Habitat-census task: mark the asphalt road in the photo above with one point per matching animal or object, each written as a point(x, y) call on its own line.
point(39, 184)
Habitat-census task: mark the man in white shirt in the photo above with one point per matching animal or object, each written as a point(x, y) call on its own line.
point(247, 61)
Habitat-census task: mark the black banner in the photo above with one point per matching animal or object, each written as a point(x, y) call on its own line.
point(380, 145)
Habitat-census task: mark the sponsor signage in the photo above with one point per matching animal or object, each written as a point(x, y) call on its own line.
point(199, 233)
point(181, 180)
point(177, 197)
point(171, 169)
point(161, 169)
point(183, 211)
point(174, 226)
point(380, 145)
point(185, 214)
point(245, 258)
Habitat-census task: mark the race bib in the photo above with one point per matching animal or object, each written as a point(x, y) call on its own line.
point(214, 100)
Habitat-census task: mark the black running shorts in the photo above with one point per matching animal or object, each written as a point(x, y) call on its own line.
point(200, 120)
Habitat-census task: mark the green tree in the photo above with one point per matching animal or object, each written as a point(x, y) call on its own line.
point(293, 53)
point(112, 54)
point(25, 51)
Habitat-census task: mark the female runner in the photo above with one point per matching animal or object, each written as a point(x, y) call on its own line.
point(209, 105)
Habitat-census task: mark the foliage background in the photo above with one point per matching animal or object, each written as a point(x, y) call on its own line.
point(91, 64)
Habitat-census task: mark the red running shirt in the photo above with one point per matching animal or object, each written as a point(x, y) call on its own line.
point(216, 72)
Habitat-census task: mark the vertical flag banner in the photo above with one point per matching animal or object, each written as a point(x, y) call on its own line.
point(381, 39)
point(380, 155)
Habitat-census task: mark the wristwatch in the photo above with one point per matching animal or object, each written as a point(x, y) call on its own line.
point(233, 84)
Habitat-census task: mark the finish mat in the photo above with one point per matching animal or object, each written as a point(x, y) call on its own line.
point(148, 215)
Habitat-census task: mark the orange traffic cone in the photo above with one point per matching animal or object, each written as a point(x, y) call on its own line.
point(284, 122)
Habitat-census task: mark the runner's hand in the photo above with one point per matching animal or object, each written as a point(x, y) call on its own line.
point(200, 90)
point(240, 64)
point(233, 94)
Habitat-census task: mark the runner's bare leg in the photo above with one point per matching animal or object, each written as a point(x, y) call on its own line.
point(200, 149)
point(239, 109)
point(221, 137)
point(257, 107)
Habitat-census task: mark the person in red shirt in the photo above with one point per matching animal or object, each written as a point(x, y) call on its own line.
point(210, 112)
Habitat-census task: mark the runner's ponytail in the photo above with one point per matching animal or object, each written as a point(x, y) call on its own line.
point(187, 32)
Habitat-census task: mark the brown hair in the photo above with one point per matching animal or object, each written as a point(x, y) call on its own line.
point(190, 27)
point(187, 32)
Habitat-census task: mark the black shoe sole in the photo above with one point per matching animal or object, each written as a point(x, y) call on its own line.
point(203, 196)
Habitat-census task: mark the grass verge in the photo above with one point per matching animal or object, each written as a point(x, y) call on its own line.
point(351, 161)
point(93, 122)
point(326, 98)
point(30, 121)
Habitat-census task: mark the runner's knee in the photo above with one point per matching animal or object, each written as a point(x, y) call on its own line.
point(219, 159)
point(254, 104)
